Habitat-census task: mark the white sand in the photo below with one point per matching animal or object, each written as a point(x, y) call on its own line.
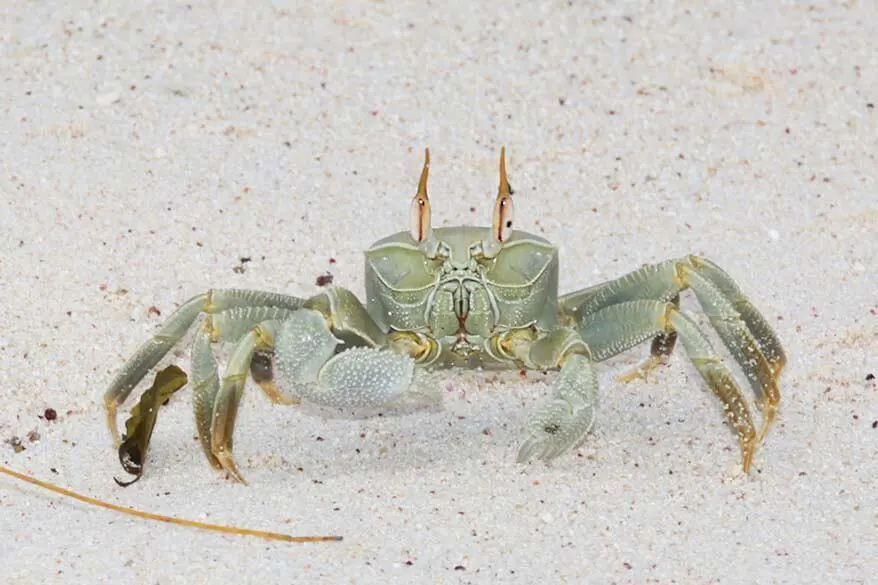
point(146, 148)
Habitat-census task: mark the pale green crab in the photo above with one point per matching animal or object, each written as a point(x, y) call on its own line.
point(468, 297)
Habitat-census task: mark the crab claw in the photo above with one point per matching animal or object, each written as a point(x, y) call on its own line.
point(421, 228)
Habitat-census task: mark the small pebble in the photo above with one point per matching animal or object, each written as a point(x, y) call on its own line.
point(15, 443)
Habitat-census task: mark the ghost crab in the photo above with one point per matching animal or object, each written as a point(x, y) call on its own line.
point(467, 297)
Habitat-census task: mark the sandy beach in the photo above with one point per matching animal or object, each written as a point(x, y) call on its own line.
point(150, 151)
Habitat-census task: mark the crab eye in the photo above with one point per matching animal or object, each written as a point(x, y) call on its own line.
point(420, 219)
point(502, 222)
point(503, 218)
point(420, 226)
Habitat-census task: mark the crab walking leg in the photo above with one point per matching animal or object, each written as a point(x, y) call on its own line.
point(569, 415)
point(307, 362)
point(619, 327)
point(216, 425)
point(222, 324)
point(743, 330)
point(655, 282)
point(230, 325)
point(724, 286)
point(173, 330)
point(662, 346)
point(205, 387)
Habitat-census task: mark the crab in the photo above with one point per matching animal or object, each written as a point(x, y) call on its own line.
point(471, 297)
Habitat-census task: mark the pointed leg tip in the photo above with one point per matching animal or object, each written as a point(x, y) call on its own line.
point(747, 456)
point(112, 426)
point(643, 370)
point(626, 377)
point(227, 463)
point(236, 475)
point(768, 415)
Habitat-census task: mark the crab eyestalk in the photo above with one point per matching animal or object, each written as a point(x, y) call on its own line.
point(501, 224)
point(421, 228)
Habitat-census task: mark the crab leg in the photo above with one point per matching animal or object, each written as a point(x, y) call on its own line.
point(662, 346)
point(743, 330)
point(619, 327)
point(216, 404)
point(174, 329)
point(232, 325)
